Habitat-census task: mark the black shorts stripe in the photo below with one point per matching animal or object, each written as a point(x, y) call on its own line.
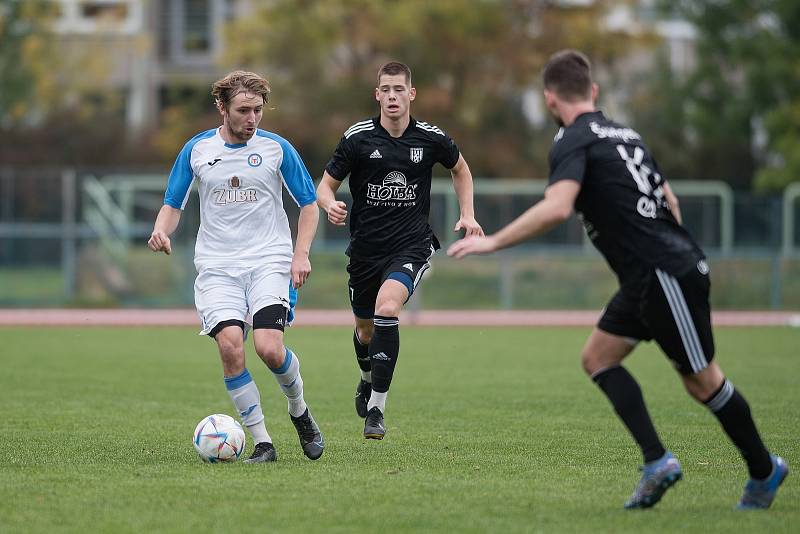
point(671, 309)
point(683, 320)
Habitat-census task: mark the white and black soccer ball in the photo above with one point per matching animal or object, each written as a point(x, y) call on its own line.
point(219, 438)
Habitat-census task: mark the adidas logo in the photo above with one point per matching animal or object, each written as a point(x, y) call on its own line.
point(279, 321)
point(409, 267)
point(381, 356)
point(375, 155)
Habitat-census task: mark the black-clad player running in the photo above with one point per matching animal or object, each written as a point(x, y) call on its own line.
point(606, 173)
point(389, 159)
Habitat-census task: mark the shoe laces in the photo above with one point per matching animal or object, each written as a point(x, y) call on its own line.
point(755, 490)
point(374, 417)
point(307, 428)
point(261, 447)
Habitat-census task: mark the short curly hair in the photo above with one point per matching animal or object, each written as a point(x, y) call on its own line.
point(239, 81)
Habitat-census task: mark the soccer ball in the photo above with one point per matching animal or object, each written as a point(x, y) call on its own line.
point(219, 438)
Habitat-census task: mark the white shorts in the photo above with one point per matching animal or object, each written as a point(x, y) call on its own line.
point(225, 294)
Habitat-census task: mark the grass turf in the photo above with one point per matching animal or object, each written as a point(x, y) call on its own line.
point(489, 430)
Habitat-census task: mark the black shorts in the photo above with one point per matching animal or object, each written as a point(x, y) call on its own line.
point(367, 276)
point(672, 310)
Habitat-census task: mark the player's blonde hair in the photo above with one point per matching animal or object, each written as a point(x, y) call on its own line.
point(239, 81)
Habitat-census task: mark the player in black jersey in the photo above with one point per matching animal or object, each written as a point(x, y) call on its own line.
point(389, 159)
point(604, 171)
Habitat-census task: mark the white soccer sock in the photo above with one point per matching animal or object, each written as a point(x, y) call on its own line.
point(377, 399)
point(288, 376)
point(247, 400)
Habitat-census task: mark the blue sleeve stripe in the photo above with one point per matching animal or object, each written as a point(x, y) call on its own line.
point(293, 172)
point(179, 184)
point(292, 303)
point(235, 382)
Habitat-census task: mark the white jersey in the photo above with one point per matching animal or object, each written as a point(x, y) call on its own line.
point(242, 220)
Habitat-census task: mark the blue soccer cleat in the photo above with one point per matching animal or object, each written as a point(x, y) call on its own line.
point(759, 494)
point(657, 477)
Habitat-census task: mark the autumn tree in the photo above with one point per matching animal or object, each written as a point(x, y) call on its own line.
point(472, 62)
point(735, 115)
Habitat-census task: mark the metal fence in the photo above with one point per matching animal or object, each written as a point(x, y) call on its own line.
point(78, 238)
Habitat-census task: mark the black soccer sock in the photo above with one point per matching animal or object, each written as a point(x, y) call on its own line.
point(734, 415)
point(625, 395)
point(383, 350)
point(362, 354)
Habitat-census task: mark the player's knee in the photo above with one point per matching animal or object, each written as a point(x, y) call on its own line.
point(271, 353)
point(588, 362)
point(365, 333)
point(389, 308)
point(703, 385)
point(229, 337)
point(231, 352)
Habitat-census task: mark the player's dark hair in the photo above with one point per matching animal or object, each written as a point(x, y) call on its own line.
point(568, 73)
point(239, 81)
point(393, 68)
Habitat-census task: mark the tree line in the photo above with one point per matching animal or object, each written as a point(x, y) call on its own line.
point(733, 116)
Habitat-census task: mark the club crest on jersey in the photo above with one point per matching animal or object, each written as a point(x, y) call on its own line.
point(254, 160)
point(416, 155)
point(235, 193)
point(394, 190)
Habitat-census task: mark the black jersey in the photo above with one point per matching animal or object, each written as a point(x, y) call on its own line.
point(621, 202)
point(390, 180)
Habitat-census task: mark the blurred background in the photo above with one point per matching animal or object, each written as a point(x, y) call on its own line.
point(98, 96)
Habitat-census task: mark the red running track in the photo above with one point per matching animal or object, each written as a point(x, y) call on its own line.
point(188, 317)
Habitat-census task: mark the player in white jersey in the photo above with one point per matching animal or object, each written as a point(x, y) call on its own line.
point(247, 272)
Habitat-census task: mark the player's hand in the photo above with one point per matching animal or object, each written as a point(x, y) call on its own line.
point(469, 225)
point(159, 241)
point(301, 270)
point(337, 213)
point(475, 244)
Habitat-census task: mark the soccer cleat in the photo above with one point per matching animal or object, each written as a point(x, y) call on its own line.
point(310, 436)
point(363, 393)
point(373, 425)
point(759, 494)
point(263, 452)
point(657, 477)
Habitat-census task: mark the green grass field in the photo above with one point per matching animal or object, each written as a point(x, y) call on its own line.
point(489, 430)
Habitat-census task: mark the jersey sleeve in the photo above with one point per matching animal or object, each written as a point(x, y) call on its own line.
point(341, 162)
point(180, 179)
point(296, 177)
point(448, 152)
point(567, 161)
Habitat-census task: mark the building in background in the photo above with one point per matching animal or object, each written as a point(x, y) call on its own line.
point(153, 45)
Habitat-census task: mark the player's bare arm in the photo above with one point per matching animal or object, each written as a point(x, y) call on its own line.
point(326, 198)
point(552, 210)
point(306, 229)
point(166, 223)
point(672, 202)
point(462, 183)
